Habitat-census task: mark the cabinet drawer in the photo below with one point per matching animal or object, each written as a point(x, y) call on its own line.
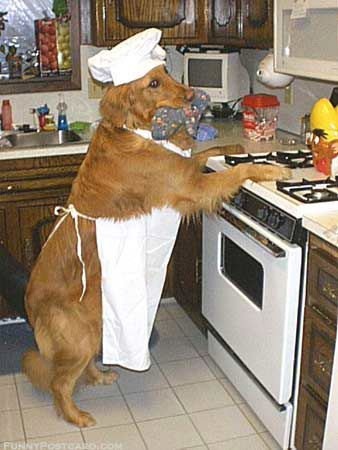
point(310, 425)
point(323, 280)
point(318, 353)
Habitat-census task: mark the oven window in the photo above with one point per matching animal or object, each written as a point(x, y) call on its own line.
point(245, 272)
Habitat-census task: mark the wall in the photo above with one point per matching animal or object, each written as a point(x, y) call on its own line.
point(305, 92)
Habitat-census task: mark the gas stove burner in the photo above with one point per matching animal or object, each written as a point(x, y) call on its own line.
point(321, 195)
point(310, 191)
point(295, 159)
point(234, 160)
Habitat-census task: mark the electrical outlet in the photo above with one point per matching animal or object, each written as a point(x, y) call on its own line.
point(288, 95)
point(95, 89)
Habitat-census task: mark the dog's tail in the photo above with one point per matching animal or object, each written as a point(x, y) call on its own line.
point(38, 369)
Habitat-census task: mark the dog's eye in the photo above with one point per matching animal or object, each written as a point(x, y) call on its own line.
point(154, 84)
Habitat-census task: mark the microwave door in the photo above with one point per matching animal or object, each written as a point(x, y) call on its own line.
point(307, 45)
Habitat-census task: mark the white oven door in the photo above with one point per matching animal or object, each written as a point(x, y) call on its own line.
point(250, 296)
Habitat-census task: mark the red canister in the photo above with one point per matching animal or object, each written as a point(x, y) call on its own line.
point(260, 115)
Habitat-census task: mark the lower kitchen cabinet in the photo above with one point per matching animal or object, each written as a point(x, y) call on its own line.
point(187, 270)
point(29, 191)
point(320, 332)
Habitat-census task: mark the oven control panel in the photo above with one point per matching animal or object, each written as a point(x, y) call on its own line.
point(268, 215)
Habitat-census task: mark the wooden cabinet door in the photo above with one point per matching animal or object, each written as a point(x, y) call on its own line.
point(3, 226)
point(257, 23)
point(182, 21)
point(187, 261)
point(35, 220)
point(225, 22)
point(310, 425)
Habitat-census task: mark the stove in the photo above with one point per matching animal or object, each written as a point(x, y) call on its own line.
point(254, 278)
point(280, 205)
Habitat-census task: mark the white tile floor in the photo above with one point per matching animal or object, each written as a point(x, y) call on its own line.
point(183, 402)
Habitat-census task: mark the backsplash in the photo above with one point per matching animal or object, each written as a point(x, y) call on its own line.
point(305, 92)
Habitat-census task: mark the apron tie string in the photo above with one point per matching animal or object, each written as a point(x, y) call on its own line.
point(63, 212)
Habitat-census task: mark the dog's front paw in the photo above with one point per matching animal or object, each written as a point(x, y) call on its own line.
point(285, 173)
point(277, 173)
point(84, 420)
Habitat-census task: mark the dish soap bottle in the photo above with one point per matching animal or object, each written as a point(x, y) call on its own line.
point(62, 117)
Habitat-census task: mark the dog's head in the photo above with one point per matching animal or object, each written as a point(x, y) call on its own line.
point(134, 104)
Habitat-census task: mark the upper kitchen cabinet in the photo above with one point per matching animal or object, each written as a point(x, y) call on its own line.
point(257, 23)
point(182, 21)
point(242, 23)
point(225, 22)
point(39, 46)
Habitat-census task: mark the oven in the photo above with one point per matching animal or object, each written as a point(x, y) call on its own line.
point(251, 289)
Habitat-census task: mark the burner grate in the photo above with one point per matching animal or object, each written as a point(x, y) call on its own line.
point(293, 159)
point(310, 191)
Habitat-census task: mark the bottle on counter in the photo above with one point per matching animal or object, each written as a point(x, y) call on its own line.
point(6, 114)
point(49, 123)
point(62, 117)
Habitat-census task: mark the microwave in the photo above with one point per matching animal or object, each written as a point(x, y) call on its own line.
point(219, 74)
point(306, 38)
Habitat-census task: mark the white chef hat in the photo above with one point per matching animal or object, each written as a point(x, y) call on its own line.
point(130, 59)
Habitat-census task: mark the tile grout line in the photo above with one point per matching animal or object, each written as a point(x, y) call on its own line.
point(184, 409)
point(132, 415)
point(20, 409)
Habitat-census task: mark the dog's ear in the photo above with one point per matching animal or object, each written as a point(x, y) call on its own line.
point(115, 105)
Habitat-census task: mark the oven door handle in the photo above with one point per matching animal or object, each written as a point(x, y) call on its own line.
point(253, 234)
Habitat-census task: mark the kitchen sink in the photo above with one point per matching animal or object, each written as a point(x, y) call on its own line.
point(41, 139)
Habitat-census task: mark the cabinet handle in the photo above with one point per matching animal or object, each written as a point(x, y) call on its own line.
point(330, 291)
point(10, 188)
point(322, 315)
point(28, 250)
point(324, 366)
point(198, 271)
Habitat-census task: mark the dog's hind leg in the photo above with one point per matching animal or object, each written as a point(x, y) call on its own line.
point(96, 376)
point(68, 367)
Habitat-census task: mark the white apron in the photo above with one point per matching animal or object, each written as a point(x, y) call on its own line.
point(134, 255)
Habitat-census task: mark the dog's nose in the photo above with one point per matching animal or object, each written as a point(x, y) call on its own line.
point(190, 94)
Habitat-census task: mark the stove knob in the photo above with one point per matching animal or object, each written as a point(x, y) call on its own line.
point(275, 220)
point(239, 200)
point(263, 213)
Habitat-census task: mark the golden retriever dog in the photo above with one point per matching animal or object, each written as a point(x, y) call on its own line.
point(123, 176)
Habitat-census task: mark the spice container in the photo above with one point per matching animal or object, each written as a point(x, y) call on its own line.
point(260, 116)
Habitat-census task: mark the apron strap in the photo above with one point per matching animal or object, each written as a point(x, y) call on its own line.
point(63, 213)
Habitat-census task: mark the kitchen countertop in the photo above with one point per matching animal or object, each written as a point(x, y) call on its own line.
point(324, 225)
point(33, 152)
point(229, 133)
